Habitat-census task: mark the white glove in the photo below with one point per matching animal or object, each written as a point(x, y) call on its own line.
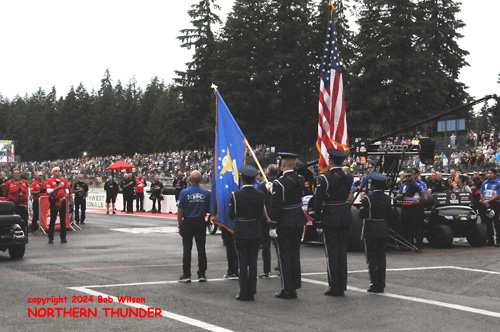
point(273, 234)
point(269, 186)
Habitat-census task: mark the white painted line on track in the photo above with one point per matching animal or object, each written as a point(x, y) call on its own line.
point(165, 314)
point(303, 274)
point(147, 230)
point(416, 299)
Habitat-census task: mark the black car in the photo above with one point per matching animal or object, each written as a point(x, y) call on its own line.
point(449, 215)
point(13, 231)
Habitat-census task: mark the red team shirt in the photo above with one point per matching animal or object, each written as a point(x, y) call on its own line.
point(17, 193)
point(36, 186)
point(140, 184)
point(52, 183)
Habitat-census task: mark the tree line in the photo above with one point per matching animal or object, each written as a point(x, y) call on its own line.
point(400, 65)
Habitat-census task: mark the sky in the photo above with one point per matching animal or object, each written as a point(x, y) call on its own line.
point(63, 43)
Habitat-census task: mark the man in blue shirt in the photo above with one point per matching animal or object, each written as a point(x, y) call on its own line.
point(490, 201)
point(193, 205)
point(411, 193)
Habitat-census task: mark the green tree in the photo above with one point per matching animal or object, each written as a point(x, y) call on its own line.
point(295, 114)
point(195, 82)
point(400, 74)
point(245, 73)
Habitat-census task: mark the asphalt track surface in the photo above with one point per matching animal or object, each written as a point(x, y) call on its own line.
point(456, 289)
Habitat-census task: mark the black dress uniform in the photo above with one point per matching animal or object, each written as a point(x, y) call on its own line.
point(376, 211)
point(247, 207)
point(333, 214)
point(287, 212)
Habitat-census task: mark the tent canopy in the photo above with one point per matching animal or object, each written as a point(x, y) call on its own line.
point(120, 165)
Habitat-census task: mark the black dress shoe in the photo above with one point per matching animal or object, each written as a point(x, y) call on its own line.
point(51, 241)
point(374, 290)
point(64, 241)
point(333, 293)
point(251, 298)
point(242, 298)
point(287, 295)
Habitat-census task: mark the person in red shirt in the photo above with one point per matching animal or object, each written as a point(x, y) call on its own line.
point(140, 183)
point(37, 189)
point(16, 191)
point(57, 188)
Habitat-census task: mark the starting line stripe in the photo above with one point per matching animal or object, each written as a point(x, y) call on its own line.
point(165, 314)
point(416, 299)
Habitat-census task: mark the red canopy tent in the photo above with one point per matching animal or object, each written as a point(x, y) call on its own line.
point(120, 165)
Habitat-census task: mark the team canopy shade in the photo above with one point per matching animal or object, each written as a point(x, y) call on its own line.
point(120, 165)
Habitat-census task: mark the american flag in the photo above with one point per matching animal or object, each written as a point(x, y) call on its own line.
point(332, 124)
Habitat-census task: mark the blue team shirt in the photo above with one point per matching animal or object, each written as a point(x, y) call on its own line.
point(418, 195)
point(195, 201)
point(490, 189)
point(353, 187)
point(422, 185)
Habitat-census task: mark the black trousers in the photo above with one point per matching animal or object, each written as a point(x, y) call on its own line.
point(36, 214)
point(335, 238)
point(266, 248)
point(124, 202)
point(130, 202)
point(54, 210)
point(232, 257)
point(248, 251)
point(159, 204)
point(80, 205)
point(375, 256)
point(139, 202)
point(289, 251)
point(491, 222)
point(193, 228)
point(412, 222)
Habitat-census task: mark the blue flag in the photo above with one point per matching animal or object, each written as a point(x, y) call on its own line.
point(229, 156)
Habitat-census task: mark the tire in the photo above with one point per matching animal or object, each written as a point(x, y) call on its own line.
point(211, 227)
point(17, 251)
point(7, 207)
point(478, 236)
point(441, 237)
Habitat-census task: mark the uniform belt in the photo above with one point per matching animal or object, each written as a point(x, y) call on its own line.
point(246, 219)
point(334, 203)
point(375, 220)
point(411, 203)
point(290, 207)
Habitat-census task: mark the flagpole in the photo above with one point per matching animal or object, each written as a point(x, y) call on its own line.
point(256, 161)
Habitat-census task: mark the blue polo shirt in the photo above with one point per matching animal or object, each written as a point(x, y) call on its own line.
point(195, 201)
point(415, 198)
point(490, 188)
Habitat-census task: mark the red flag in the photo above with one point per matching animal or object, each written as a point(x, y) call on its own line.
point(332, 123)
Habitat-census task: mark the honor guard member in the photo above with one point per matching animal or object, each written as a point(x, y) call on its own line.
point(272, 174)
point(81, 191)
point(490, 206)
point(247, 207)
point(57, 188)
point(333, 216)
point(193, 206)
point(289, 220)
point(411, 212)
point(376, 211)
point(37, 188)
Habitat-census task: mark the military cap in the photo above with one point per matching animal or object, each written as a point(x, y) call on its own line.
point(375, 176)
point(249, 171)
point(287, 155)
point(334, 153)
